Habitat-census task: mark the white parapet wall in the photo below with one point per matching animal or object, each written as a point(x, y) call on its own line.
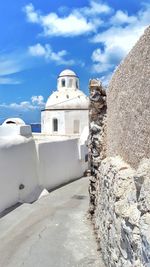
point(29, 164)
point(60, 161)
point(18, 166)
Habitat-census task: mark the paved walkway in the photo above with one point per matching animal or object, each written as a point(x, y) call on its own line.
point(52, 232)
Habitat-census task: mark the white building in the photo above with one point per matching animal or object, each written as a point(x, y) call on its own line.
point(31, 162)
point(66, 110)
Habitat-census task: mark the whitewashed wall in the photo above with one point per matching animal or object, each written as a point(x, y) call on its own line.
point(60, 162)
point(65, 121)
point(79, 115)
point(18, 166)
point(34, 164)
point(47, 119)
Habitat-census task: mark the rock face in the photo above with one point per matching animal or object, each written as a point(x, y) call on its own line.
point(129, 105)
point(97, 136)
point(122, 213)
point(119, 155)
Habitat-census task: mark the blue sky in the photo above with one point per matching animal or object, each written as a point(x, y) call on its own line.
point(40, 38)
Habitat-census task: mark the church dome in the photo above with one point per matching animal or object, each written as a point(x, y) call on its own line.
point(68, 95)
point(67, 99)
point(16, 121)
point(67, 73)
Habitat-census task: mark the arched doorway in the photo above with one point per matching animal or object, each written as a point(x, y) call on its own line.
point(55, 125)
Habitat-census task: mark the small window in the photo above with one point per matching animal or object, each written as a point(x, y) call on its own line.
point(76, 126)
point(77, 84)
point(70, 82)
point(10, 122)
point(63, 83)
point(67, 96)
point(55, 125)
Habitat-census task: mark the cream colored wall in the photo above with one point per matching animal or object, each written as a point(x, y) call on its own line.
point(65, 121)
point(70, 116)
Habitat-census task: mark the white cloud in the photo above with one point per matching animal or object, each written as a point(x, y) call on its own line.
point(37, 50)
point(106, 79)
point(121, 32)
point(78, 22)
point(96, 8)
point(72, 25)
point(24, 105)
point(121, 17)
point(35, 103)
point(32, 15)
point(46, 51)
point(118, 39)
point(39, 100)
point(7, 80)
point(10, 64)
point(99, 64)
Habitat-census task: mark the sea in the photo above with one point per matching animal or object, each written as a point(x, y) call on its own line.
point(36, 127)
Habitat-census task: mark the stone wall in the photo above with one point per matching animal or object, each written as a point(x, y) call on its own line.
point(122, 214)
point(97, 136)
point(129, 105)
point(120, 161)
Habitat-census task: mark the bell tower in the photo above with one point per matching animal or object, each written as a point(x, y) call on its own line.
point(67, 80)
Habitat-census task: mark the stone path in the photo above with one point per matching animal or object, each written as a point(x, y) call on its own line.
point(52, 232)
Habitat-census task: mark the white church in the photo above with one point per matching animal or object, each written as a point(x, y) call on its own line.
point(33, 162)
point(66, 110)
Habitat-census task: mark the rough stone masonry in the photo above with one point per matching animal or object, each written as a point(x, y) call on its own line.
point(119, 156)
point(96, 140)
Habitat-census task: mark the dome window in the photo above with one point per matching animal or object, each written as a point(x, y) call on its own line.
point(63, 83)
point(67, 96)
point(10, 122)
point(55, 125)
point(70, 82)
point(77, 84)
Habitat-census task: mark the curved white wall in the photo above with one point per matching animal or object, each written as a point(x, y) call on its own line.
point(18, 166)
point(34, 164)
